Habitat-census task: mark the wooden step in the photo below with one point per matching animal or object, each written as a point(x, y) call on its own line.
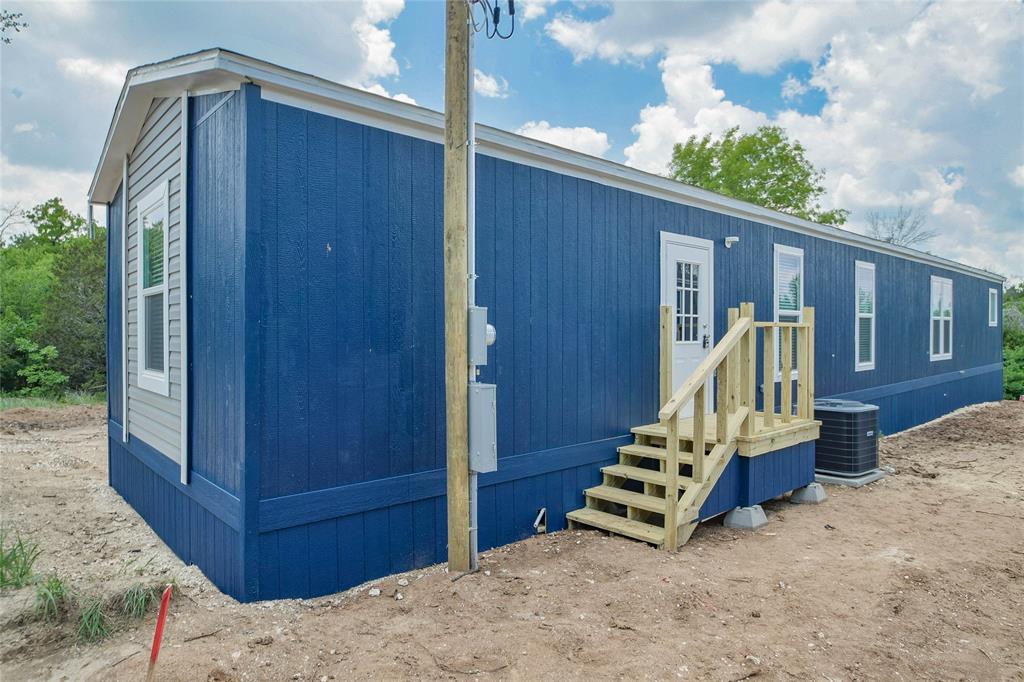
point(618, 525)
point(686, 427)
point(652, 452)
point(627, 498)
point(644, 475)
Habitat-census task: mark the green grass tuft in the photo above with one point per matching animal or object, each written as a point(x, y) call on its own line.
point(137, 599)
point(10, 400)
point(92, 621)
point(51, 596)
point(17, 557)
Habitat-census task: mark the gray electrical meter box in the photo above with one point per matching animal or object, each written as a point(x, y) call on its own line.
point(483, 427)
point(477, 335)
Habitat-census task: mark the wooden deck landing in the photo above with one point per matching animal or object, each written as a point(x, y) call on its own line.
point(765, 439)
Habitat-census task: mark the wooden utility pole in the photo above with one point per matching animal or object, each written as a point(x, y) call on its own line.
point(456, 274)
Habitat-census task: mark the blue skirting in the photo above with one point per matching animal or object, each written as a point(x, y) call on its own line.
point(752, 480)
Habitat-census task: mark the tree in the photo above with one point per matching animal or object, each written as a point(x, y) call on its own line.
point(74, 315)
point(904, 227)
point(10, 21)
point(764, 167)
point(54, 223)
point(10, 217)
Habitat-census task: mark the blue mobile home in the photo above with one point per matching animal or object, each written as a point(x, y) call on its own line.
point(275, 322)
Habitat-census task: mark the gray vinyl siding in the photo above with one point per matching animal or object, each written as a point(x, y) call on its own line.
point(155, 418)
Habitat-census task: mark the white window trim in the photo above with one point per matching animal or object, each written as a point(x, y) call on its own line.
point(993, 308)
point(948, 355)
point(857, 315)
point(156, 382)
point(791, 250)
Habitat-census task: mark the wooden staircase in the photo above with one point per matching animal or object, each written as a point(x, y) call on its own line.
point(655, 492)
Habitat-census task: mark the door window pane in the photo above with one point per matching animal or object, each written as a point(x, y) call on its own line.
point(687, 302)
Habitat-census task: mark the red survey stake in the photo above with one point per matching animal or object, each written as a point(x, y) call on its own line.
point(159, 634)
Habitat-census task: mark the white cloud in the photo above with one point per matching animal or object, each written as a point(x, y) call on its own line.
point(29, 186)
point(106, 73)
point(487, 85)
point(793, 88)
point(582, 139)
point(377, 45)
point(378, 89)
point(913, 97)
point(529, 10)
point(1017, 176)
point(21, 128)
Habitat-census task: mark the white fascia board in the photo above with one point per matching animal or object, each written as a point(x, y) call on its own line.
point(317, 94)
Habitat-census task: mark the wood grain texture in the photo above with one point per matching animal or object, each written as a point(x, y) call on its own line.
point(456, 93)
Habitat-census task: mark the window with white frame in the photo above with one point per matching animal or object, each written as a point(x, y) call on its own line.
point(864, 329)
point(789, 293)
point(941, 334)
point(993, 308)
point(151, 218)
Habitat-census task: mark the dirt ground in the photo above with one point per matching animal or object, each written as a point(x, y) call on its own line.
point(919, 576)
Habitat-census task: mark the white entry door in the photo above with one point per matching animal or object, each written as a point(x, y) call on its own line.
point(687, 284)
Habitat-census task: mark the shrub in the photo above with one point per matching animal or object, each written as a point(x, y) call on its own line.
point(16, 560)
point(41, 378)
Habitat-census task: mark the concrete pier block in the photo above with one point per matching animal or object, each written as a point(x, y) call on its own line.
point(812, 493)
point(746, 518)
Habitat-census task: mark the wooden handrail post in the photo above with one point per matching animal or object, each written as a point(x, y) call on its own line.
point(722, 385)
point(699, 410)
point(769, 377)
point(748, 371)
point(734, 379)
point(786, 349)
point(808, 315)
point(672, 482)
point(667, 337)
point(801, 372)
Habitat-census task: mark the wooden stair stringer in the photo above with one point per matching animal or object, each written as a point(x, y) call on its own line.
point(695, 496)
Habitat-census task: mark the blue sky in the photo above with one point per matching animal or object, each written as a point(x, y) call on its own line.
point(919, 104)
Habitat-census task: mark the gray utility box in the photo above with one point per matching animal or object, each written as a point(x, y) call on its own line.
point(483, 427)
point(848, 445)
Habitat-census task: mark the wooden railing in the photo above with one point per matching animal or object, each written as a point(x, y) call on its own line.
point(732, 365)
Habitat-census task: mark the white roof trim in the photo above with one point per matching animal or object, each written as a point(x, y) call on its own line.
point(216, 69)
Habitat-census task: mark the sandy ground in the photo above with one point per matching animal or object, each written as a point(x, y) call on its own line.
point(919, 576)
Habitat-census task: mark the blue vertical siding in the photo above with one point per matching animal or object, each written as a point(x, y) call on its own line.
point(115, 264)
point(216, 222)
point(351, 352)
point(198, 523)
point(316, 346)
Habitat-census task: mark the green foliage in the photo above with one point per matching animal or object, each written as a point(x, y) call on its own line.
point(93, 623)
point(41, 378)
point(17, 557)
point(1013, 341)
point(52, 283)
point(764, 168)
point(74, 315)
point(51, 598)
point(54, 222)
point(137, 600)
